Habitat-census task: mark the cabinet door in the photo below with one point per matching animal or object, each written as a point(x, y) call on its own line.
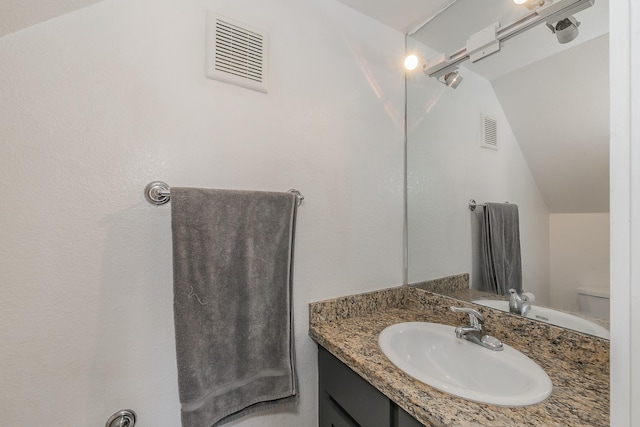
point(406, 420)
point(333, 416)
point(364, 405)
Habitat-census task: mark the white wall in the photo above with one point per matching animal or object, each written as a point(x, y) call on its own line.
point(98, 103)
point(579, 256)
point(447, 167)
point(567, 146)
point(625, 212)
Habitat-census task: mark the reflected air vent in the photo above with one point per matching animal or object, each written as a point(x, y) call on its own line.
point(236, 53)
point(489, 133)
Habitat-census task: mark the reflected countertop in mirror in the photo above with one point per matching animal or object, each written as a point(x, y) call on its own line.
point(457, 286)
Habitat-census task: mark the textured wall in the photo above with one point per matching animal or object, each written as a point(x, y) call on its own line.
point(98, 103)
point(18, 14)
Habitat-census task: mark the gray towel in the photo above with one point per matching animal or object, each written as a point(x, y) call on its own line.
point(501, 262)
point(232, 264)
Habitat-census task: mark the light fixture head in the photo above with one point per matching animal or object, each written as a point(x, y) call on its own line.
point(411, 61)
point(530, 4)
point(566, 29)
point(452, 79)
point(414, 60)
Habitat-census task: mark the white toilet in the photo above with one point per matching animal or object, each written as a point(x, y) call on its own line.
point(593, 302)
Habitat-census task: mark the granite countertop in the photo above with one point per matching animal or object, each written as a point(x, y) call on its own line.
point(577, 364)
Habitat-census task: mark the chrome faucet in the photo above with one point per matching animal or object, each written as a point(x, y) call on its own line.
point(518, 304)
point(474, 332)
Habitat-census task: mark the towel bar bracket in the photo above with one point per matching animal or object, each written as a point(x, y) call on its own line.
point(157, 193)
point(123, 418)
point(298, 194)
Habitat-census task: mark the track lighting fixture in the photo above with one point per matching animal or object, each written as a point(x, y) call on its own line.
point(530, 4)
point(557, 14)
point(565, 30)
point(452, 79)
point(411, 62)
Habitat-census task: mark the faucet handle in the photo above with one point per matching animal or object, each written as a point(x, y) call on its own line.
point(475, 317)
point(515, 302)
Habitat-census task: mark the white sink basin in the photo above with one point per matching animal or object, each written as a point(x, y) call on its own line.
point(431, 353)
point(552, 316)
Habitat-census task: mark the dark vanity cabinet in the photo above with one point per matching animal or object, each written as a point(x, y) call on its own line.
point(347, 400)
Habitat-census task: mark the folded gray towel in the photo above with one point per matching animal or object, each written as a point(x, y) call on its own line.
point(232, 264)
point(501, 262)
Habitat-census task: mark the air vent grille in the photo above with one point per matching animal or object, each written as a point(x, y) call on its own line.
point(236, 53)
point(489, 132)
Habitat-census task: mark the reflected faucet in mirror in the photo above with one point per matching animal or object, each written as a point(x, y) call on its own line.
point(519, 304)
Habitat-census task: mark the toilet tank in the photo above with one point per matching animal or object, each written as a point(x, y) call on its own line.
point(593, 302)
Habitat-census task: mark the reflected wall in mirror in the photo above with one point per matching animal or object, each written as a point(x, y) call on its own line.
point(551, 105)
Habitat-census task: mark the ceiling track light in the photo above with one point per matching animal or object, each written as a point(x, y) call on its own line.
point(488, 41)
point(566, 29)
point(531, 4)
point(452, 79)
point(413, 60)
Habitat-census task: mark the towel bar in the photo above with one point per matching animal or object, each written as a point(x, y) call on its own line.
point(473, 205)
point(158, 193)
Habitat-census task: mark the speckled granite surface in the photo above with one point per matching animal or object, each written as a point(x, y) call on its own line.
point(445, 285)
point(577, 364)
point(457, 286)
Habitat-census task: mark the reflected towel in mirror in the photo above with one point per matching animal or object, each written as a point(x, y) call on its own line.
point(501, 262)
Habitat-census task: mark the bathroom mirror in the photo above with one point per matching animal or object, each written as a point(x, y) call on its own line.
point(549, 154)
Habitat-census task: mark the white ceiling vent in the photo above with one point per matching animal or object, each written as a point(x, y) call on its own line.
point(489, 132)
point(236, 53)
